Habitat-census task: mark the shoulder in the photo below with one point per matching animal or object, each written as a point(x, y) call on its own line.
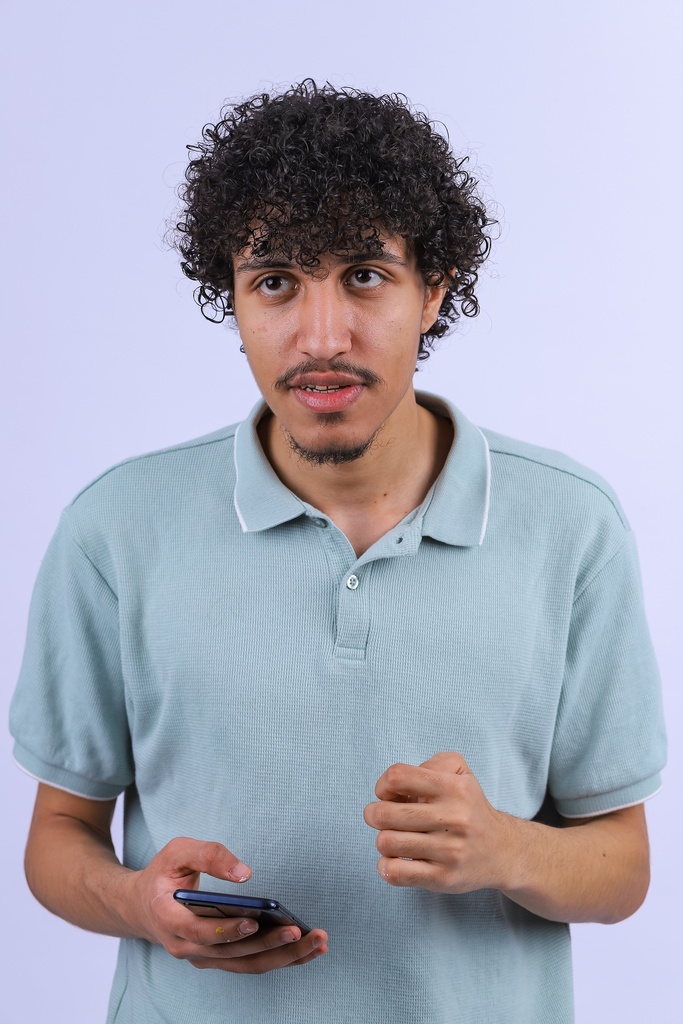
point(164, 462)
point(149, 487)
point(553, 508)
point(549, 476)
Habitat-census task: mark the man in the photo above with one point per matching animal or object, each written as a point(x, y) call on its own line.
point(353, 590)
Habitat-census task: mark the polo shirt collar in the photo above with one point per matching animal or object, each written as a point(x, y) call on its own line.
point(456, 513)
point(459, 510)
point(261, 499)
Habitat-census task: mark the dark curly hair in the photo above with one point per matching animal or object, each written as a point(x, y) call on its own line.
point(319, 170)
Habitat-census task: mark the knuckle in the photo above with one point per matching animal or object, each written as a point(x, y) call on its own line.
point(176, 844)
point(465, 821)
point(195, 935)
point(394, 774)
point(177, 949)
point(383, 843)
point(414, 814)
point(381, 815)
point(213, 850)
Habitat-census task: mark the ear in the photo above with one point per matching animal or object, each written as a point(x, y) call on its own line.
point(434, 296)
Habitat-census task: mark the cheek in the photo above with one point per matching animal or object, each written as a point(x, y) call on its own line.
point(392, 329)
point(265, 345)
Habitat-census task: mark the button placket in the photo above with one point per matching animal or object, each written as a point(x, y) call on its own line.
point(353, 615)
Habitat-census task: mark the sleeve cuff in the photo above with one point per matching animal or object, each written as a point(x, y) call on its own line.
point(63, 779)
point(604, 803)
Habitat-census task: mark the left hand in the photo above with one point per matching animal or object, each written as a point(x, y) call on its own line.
point(436, 815)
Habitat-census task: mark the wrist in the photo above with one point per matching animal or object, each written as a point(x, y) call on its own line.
point(133, 904)
point(518, 842)
point(118, 890)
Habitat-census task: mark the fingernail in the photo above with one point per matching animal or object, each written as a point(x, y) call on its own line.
point(247, 927)
point(240, 872)
point(289, 937)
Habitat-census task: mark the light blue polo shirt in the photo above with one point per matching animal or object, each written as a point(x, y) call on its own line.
point(205, 641)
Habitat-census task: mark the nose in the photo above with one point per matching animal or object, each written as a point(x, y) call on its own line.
point(323, 328)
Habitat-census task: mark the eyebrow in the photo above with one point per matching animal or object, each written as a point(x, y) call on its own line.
point(249, 266)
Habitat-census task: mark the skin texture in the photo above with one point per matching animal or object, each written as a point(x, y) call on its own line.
point(356, 324)
point(72, 870)
point(367, 317)
point(592, 869)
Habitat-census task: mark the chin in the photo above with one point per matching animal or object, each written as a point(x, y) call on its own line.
point(330, 454)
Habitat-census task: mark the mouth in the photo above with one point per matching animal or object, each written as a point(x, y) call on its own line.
point(328, 380)
point(327, 390)
point(327, 397)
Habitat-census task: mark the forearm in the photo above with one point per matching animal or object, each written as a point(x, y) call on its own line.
point(72, 869)
point(595, 870)
point(437, 831)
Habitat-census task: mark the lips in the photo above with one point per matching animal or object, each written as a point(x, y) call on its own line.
point(324, 381)
point(328, 389)
point(327, 397)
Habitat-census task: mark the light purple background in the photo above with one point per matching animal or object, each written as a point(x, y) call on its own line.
point(570, 113)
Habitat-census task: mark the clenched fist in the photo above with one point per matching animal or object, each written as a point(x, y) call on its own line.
point(437, 830)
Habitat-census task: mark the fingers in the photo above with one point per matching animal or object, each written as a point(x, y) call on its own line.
point(240, 945)
point(254, 956)
point(235, 944)
point(412, 873)
point(230, 944)
point(215, 932)
point(182, 857)
point(416, 845)
point(406, 817)
point(447, 761)
point(427, 780)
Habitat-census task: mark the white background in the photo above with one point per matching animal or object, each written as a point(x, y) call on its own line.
point(569, 112)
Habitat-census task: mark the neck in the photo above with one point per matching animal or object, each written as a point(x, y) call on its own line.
point(370, 495)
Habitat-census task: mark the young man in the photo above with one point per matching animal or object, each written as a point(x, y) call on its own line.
point(353, 624)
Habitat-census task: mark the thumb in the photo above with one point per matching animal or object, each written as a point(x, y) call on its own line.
point(191, 856)
point(448, 761)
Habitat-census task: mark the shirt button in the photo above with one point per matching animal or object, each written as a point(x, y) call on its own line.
point(352, 582)
point(320, 522)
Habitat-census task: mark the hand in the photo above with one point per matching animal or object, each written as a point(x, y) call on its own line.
point(226, 944)
point(437, 816)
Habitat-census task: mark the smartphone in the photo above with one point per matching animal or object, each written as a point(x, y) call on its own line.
point(269, 913)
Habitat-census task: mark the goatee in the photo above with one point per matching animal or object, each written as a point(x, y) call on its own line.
point(332, 455)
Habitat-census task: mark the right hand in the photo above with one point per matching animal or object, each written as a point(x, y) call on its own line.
point(225, 944)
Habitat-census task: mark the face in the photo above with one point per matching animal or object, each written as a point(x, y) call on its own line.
point(334, 354)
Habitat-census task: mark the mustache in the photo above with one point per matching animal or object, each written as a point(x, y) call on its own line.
point(360, 373)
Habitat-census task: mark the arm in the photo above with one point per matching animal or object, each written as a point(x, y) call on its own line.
point(590, 869)
point(593, 869)
point(72, 869)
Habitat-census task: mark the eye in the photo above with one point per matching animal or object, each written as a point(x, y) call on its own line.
point(364, 277)
point(274, 284)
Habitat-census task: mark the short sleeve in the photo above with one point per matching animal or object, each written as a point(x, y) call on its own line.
point(68, 714)
point(609, 744)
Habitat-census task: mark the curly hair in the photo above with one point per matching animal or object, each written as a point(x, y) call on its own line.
point(318, 170)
